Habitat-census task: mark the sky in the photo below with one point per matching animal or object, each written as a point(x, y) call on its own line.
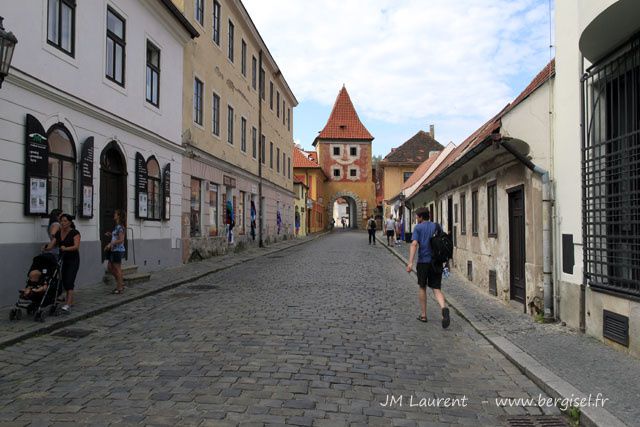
point(406, 64)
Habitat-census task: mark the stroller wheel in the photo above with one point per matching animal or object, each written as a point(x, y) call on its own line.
point(18, 314)
point(12, 314)
point(40, 316)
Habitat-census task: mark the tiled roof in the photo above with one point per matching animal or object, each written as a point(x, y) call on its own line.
point(415, 150)
point(492, 126)
point(344, 122)
point(418, 173)
point(299, 179)
point(301, 160)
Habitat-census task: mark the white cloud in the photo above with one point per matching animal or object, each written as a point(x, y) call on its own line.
point(407, 59)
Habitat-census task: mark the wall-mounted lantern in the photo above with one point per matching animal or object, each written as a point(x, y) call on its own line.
point(7, 44)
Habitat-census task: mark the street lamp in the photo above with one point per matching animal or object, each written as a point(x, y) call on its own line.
point(7, 44)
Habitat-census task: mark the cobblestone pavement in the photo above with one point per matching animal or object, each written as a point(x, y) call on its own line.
point(581, 360)
point(319, 334)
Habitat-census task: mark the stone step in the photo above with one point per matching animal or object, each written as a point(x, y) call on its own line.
point(130, 276)
point(131, 279)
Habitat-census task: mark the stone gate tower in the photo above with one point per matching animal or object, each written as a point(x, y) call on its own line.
point(344, 154)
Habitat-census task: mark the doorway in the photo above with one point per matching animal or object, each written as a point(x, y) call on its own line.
point(517, 254)
point(450, 216)
point(113, 190)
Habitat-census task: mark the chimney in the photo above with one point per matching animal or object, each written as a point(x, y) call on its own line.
point(432, 131)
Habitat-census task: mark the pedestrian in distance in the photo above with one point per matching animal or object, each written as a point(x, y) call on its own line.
point(389, 228)
point(115, 249)
point(371, 228)
point(68, 241)
point(429, 272)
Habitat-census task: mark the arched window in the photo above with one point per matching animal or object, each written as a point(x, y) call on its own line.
point(62, 170)
point(154, 203)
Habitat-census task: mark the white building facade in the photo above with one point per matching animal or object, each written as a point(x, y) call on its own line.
point(597, 169)
point(90, 124)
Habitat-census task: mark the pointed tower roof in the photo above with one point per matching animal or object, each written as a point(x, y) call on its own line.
point(344, 122)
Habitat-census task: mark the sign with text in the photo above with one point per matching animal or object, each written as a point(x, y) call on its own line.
point(228, 181)
point(166, 192)
point(141, 186)
point(86, 178)
point(36, 168)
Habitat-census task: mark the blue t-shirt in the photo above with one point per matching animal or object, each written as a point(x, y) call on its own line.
point(422, 233)
point(114, 236)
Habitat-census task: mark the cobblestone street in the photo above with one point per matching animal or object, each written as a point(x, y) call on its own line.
point(320, 334)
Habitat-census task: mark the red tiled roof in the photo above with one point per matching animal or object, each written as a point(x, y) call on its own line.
point(300, 160)
point(494, 124)
point(344, 122)
point(414, 150)
point(420, 171)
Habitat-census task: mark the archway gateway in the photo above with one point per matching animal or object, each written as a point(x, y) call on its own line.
point(355, 208)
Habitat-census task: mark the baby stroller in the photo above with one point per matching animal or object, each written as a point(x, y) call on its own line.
point(44, 275)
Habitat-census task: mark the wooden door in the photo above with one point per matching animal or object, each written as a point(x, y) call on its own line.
point(517, 255)
point(113, 190)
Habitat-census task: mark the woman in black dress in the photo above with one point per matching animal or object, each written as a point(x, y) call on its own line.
point(68, 240)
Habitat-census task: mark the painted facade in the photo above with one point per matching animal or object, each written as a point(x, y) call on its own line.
point(229, 125)
point(596, 262)
point(300, 206)
point(79, 98)
point(309, 172)
point(344, 153)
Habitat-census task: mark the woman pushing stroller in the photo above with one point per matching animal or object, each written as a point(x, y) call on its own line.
point(67, 239)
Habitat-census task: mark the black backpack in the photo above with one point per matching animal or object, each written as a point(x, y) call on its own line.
point(441, 246)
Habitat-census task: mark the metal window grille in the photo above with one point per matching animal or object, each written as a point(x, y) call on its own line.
point(611, 172)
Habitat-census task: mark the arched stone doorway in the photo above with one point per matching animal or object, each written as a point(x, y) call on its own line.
point(113, 188)
point(355, 208)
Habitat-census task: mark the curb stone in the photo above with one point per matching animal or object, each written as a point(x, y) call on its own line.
point(549, 382)
point(64, 321)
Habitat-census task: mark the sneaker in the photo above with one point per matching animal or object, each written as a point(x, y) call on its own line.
point(66, 309)
point(446, 320)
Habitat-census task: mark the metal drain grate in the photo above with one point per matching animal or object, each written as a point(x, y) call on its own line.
point(203, 287)
point(74, 333)
point(537, 421)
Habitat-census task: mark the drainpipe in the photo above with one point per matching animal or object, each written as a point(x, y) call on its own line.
point(260, 148)
point(547, 236)
point(583, 285)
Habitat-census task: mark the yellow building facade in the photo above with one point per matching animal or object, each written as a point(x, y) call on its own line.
point(237, 127)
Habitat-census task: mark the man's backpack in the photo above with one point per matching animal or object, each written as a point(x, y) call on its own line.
point(441, 246)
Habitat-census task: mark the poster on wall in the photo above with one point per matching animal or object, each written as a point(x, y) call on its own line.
point(142, 205)
point(141, 186)
point(87, 201)
point(36, 168)
point(166, 192)
point(86, 178)
point(38, 196)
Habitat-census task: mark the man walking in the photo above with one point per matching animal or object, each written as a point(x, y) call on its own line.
point(371, 228)
point(389, 228)
point(429, 274)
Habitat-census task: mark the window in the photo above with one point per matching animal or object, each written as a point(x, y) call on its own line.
point(278, 160)
point(115, 47)
point(254, 142)
point(283, 159)
point(197, 101)
point(154, 203)
point(611, 172)
point(463, 214)
point(336, 151)
point(243, 134)
point(254, 72)
point(406, 176)
point(271, 95)
point(195, 208)
point(277, 103)
point(62, 170)
point(283, 104)
point(61, 25)
point(289, 167)
point(231, 31)
point(262, 83)
point(213, 209)
point(216, 22)
point(263, 149)
point(336, 172)
point(271, 155)
point(243, 58)
point(353, 151)
point(153, 74)
point(230, 124)
point(216, 115)
point(199, 11)
point(288, 119)
point(474, 213)
point(492, 209)
point(353, 172)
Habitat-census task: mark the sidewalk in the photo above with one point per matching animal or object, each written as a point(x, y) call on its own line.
point(563, 362)
point(95, 299)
